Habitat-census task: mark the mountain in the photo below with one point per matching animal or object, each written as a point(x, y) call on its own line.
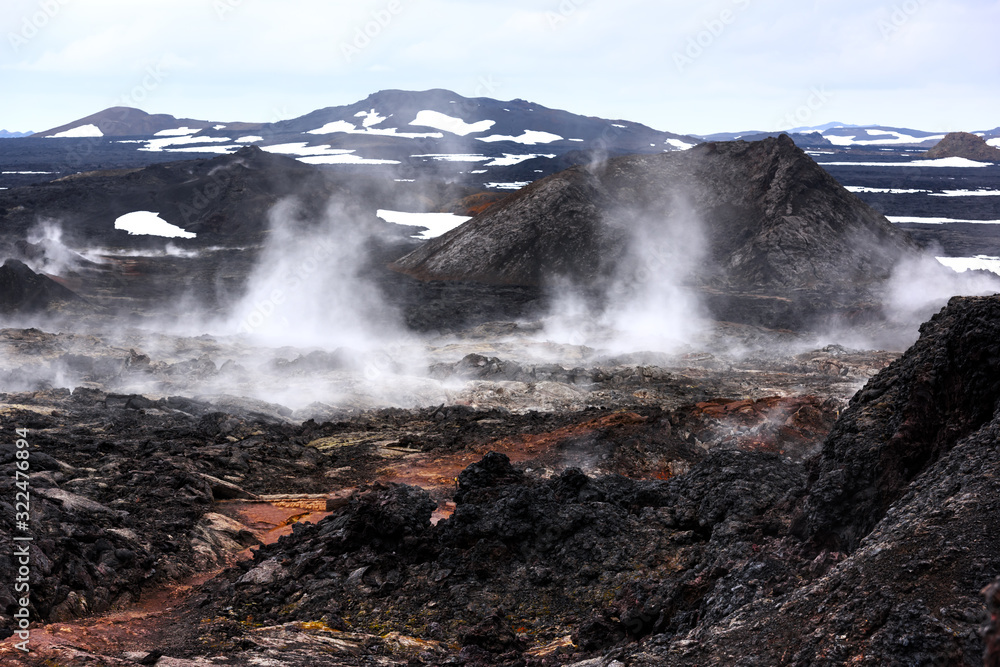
point(122, 122)
point(768, 216)
point(841, 135)
point(801, 139)
point(4, 134)
point(964, 144)
point(439, 114)
point(490, 143)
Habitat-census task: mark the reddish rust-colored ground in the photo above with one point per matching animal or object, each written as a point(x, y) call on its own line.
point(136, 628)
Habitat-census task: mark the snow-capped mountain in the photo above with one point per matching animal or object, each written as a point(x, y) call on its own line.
point(501, 144)
point(843, 135)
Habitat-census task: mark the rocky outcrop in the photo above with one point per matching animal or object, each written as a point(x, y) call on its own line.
point(945, 388)
point(964, 144)
point(22, 291)
point(769, 217)
point(113, 516)
point(759, 231)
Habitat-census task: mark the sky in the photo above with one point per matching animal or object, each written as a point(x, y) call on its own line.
point(685, 67)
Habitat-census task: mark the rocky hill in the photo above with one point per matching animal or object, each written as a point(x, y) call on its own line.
point(964, 144)
point(22, 291)
point(224, 200)
point(123, 122)
point(760, 216)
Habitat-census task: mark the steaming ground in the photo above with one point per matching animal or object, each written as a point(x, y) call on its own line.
point(319, 330)
point(195, 374)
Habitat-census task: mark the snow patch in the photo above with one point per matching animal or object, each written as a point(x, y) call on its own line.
point(509, 160)
point(939, 162)
point(348, 127)
point(967, 193)
point(180, 131)
point(440, 121)
point(344, 158)
point(454, 157)
point(78, 132)
point(323, 154)
point(890, 137)
point(158, 145)
point(370, 118)
point(249, 139)
point(516, 185)
point(678, 144)
point(893, 191)
point(936, 221)
point(436, 223)
point(223, 150)
point(150, 224)
point(335, 126)
point(528, 138)
point(977, 263)
point(303, 149)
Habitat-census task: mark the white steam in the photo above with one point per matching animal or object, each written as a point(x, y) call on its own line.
point(51, 255)
point(920, 287)
point(309, 289)
point(645, 304)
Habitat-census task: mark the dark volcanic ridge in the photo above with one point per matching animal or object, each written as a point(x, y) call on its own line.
point(771, 217)
point(964, 144)
point(759, 230)
point(22, 291)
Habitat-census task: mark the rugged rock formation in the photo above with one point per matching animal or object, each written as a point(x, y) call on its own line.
point(22, 291)
point(748, 217)
point(771, 218)
point(115, 514)
point(875, 552)
point(945, 388)
point(964, 144)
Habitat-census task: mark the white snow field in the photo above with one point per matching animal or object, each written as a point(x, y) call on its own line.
point(150, 224)
point(436, 223)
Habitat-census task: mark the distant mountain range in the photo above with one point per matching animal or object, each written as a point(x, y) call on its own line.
point(418, 133)
point(483, 142)
point(842, 135)
point(4, 134)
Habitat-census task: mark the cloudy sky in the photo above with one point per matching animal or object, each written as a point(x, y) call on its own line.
point(698, 67)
